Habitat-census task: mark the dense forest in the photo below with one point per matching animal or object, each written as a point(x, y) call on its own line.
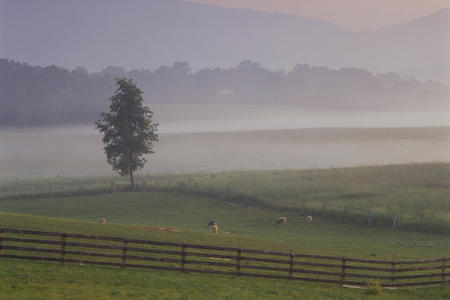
point(37, 96)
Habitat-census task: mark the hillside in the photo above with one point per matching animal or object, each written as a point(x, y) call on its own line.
point(146, 34)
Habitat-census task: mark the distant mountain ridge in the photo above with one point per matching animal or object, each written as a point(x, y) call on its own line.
point(37, 96)
point(139, 33)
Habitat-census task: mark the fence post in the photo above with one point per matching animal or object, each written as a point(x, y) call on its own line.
point(124, 252)
point(228, 194)
point(343, 270)
point(443, 269)
point(63, 247)
point(291, 263)
point(245, 198)
point(183, 255)
point(238, 261)
point(394, 258)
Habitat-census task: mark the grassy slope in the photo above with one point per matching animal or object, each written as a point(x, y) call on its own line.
point(190, 212)
point(36, 280)
point(412, 190)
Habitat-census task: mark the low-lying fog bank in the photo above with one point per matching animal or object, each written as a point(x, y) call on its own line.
point(232, 117)
point(37, 153)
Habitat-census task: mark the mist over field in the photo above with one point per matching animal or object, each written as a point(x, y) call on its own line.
point(301, 93)
point(205, 138)
point(77, 151)
point(291, 96)
point(179, 118)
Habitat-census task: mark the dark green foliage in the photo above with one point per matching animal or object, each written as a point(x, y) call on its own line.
point(36, 96)
point(128, 129)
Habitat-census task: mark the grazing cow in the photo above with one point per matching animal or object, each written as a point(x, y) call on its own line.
point(280, 220)
point(103, 221)
point(308, 219)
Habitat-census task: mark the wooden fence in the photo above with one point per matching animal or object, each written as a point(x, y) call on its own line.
point(185, 257)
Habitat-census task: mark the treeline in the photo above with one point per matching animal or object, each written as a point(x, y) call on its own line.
point(37, 96)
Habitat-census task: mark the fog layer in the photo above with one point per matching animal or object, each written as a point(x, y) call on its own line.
point(37, 153)
point(180, 118)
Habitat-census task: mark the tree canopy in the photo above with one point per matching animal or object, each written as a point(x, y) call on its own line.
point(128, 129)
point(36, 96)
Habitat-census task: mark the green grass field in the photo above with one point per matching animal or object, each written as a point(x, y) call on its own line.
point(188, 202)
point(420, 193)
point(191, 212)
point(42, 280)
point(411, 190)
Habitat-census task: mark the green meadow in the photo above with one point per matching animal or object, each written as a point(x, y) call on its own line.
point(47, 280)
point(419, 193)
point(245, 216)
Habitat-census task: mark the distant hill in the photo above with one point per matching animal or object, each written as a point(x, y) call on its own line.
point(35, 96)
point(141, 33)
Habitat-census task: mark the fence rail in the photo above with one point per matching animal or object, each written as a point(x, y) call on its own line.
point(159, 255)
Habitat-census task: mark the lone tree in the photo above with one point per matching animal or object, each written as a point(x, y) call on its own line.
point(128, 129)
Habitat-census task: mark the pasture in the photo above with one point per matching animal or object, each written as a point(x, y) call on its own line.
point(418, 193)
point(185, 203)
point(191, 212)
point(41, 280)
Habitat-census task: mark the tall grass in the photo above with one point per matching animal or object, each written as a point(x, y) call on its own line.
point(419, 193)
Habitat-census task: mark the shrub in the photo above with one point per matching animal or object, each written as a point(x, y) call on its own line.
point(373, 288)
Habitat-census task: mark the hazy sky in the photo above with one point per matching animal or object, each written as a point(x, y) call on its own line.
point(351, 14)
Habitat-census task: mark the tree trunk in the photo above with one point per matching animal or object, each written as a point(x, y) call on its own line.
point(113, 187)
point(132, 182)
